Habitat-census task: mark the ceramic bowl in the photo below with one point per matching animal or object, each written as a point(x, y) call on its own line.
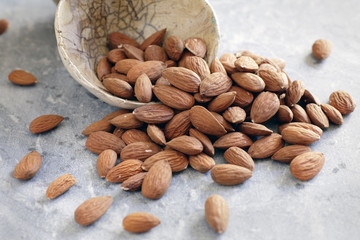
point(82, 28)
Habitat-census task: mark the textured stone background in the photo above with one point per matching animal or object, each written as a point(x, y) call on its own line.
point(271, 205)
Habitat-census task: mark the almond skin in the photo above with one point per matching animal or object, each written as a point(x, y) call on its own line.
point(186, 144)
point(21, 77)
point(152, 69)
point(298, 135)
point(177, 160)
point(182, 78)
point(228, 61)
point(308, 126)
point(124, 66)
point(264, 107)
point(294, 92)
point(215, 84)
point(157, 180)
point(4, 25)
point(307, 165)
point(118, 132)
point(205, 122)
point(234, 115)
point(103, 68)
point(317, 115)
point(201, 99)
point(124, 170)
point(216, 66)
point(126, 121)
point(230, 174)
point(243, 98)
point(272, 77)
point(208, 148)
point(140, 222)
point(115, 114)
point(117, 38)
point(237, 156)
point(92, 209)
point(222, 102)
point(196, 46)
point(133, 52)
point(201, 162)
point(174, 47)
point(134, 135)
point(308, 97)
point(133, 183)
point(288, 153)
point(299, 114)
point(154, 39)
point(105, 161)
point(156, 134)
point(332, 113)
point(101, 125)
point(249, 81)
point(100, 141)
point(118, 87)
point(28, 166)
point(266, 146)
point(60, 185)
point(139, 150)
point(235, 139)
point(321, 48)
point(284, 114)
point(116, 75)
point(154, 113)
point(223, 122)
point(246, 64)
point(143, 89)
point(254, 129)
point(174, 97)
point(45, 123)
point(198, 65)
point(116, 55)
point(217, 213)
point(178, 125)
point(342, 101)
point(155, 52)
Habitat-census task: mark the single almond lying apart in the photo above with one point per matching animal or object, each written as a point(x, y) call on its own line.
point(307, 165)
point(21, 77)
point(217, 213)
point(60, 185)
point(45, 123)
point(92, 209)
point(140, 222)
point(28, 166)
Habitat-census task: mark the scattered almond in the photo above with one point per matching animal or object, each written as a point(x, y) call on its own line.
point(45, 123)
point(342, 101)
point(299, 135)
point(177, 160)
point(105, 161)
point(254, 129)
point(215, 84)
point(234, 114)
point(154, 39)
point(92, 209)
point(140, 222)
point(60, 185)
point(126, 121)
point(178, 125)
point(264, 107)
point(332, 113)
point(116, 39)
point(156, 134)
point(205, 122)
point(143, 89)
point(217, 213)
point(101, 125)
point(208, 148)
point(157, 180)
point(237, 156)
point(246, 64)
point(139, 150)
point(182, 78)
point(317, 115)
point(222, 102)
point(321, 48)
point(299, 114)
point(21, 77)
point(196, 46)
point(266, 146)
point(174, 47)
point(133, 183)
point(285, 114)
point(99, 141)
point(249, 81)
point(307, 165)
point(288, 153)
point(174, 97)
point(28, 166)
point(201, 162)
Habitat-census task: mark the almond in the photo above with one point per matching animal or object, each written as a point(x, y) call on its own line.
point(234, 115)
point(201, 162)
point(100, 141)
point(308, 97)
point(230, 174)
point(198, 65)
point(21, 77)
point(105, 161)
point(182, 78)
point(133, 183)
point(139, 150)
point(184, 57)
point(257, 58)
point(273, 79)
point(126, 121)
point(156, 134)
point(294, 92)
point(162, 81)
point(279, 62)
point(174, 47)
point(116, 75)
point(118, 132)
point(171, 63)
point(332, 113)
point(101, 125)
point(284, 114)
point(116, 55)
point(217, 213)
point(254, 129)
point(133, 52)
point(118, 87)
point(45, 123)
point(342, 101)
point(140, 222)
point(307, 165)
point(178, 125)
point(321, 48)
point(157, 180)
point(154, 52)
point(143, 89)
point(196, 46)
point(154, 113)
point(208, 148)
point(237, 156)
point(215, 84)
point(243, 98)
point(249, 81)
point(174, 97)
point(154, 39)
point(4, 25)
point(317, 115)
point(216, 66)
point(299, 135)
point(266, 146)
point(115, 114)
point(228, 61)
point(222, 102)
point(288, 153)
point(234, 139)
point(60, 185)
point(299, 114)
point(223, 122)
point(246, 64)
point(205, 122)
point(134, 135)
point(124, 66)
point(28, 166)
point(202, 99)
point(177, 160)
point(152, 69)
point(117, 38)
point(186, 144)
point(264, 107)
point(92, 209)
point(124, 170)
point(103, 68)
point(307, 126)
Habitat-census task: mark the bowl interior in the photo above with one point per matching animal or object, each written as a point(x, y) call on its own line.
point(82, 28)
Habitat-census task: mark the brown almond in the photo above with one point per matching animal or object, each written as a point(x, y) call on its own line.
point(140, 222)
point(156, 134)
point(234, 139)
point(123, 66)
point(279, 62)
point(243, 98)
point(154, 39)
point(177, 160)
point(288, 153)
point(126, 121)
point(103, 68)
point(321, 48)
point(154, 113)
point(234, 115)
point(100, 141)
point(28, 166)
point(299, 135)
point(162, 81)
point(118, 132)
point(215, 84)
point(157, 180)
point(216, 66)
point(139, 150)
point(152, 69)
point(182, 78)
point(237, 156)
point(254, 129)
point(284, 114)
point(264, 107)
point(118, 87)
point(308, 126)
point(116, 55)
point(143, 89)
point(228, 61)
point(60, 185)
point(124, 170)
point(178, 125)
point(201, 162)
point(246, 64)
point(208, 148)
point(307, 165)
point(133, 183)
point(230, 174)
point(299, 114)
point(4, 25)
point(273, 79)
point(186, 144)
point(332, 113)
point(101, 125)
point(92, 209)
point(222, 102)
point(196, 46)
point(174, 47)
point(197, 65)
point(217, 213)
point(223, 122)
point(257, 58)
point(21, 77)
point(155, 53)
point(184, 56)
point(115, 114)
point(266, 146)
point(294, 92)
point(117, 38)
point(205, 122)
point(133, 52)
point(174, 97)
point(171, 63)
point(201, 99)
point(134, 135)
point(342, 101)
point(317, 115)
point(308, 97)
point(106, 161)
point(45, 123)
point(249, 81)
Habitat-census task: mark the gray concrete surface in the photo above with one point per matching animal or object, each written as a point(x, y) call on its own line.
point(270, 205)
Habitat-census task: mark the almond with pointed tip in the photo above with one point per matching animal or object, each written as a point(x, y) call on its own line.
point(105, 161)
point(254, 129)
point(215, 84)
point(222, 102)
point(45, 123)
point(307, 165)
point(177, 160)
point(198, 65)
point(201, 162)
point(246, 64)
point(154, 113)
point(332, 113)
point(205, 122)
point(299, 135)
point(117, 38)
point(228, 61)
point(186, 144)
point(308, 97)
point(124, 170)
point(134, 135)
point(139, 222)
point(60, 186)
point(174, 97)
point(266, 146)
point(248, 81)
point(157, 180)
point(230, 174)
point(257, 58)
point(178, 125)
point(100, 141)
point(101, 125)
point(284, 114)
point(272, 77)
point(133, 52)
point(307, 126)
point(139, 150)
point(116, 55)
point(162, 81)
point(155, 52)
point(174, 47)
point(124, 66)
point(118, 132)
point(143, 89)
point(288, 153)
point(21, 77)
point(182, 78)
point(152, 69)
point(196, 46)
point(115, 114)
point(317, 115)
point(223, 122)
point(217, 213)
point(294, 92)
point(208, 148)
point(234, 139)
point(264, 107)
point(342, 101)
point(126, 121)
point(154, 39)
point(92, 209)
point(133, 183)
point(299, 114)
point(118, 87)
point(234, 115)
point(237, 156)
point(216, 66)
point(103, 68)
point(201, 99)
point(243, 98)
point(28, 166)
point(156, 134)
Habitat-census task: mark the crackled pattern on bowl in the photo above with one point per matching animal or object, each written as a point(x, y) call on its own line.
point(82, 28)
